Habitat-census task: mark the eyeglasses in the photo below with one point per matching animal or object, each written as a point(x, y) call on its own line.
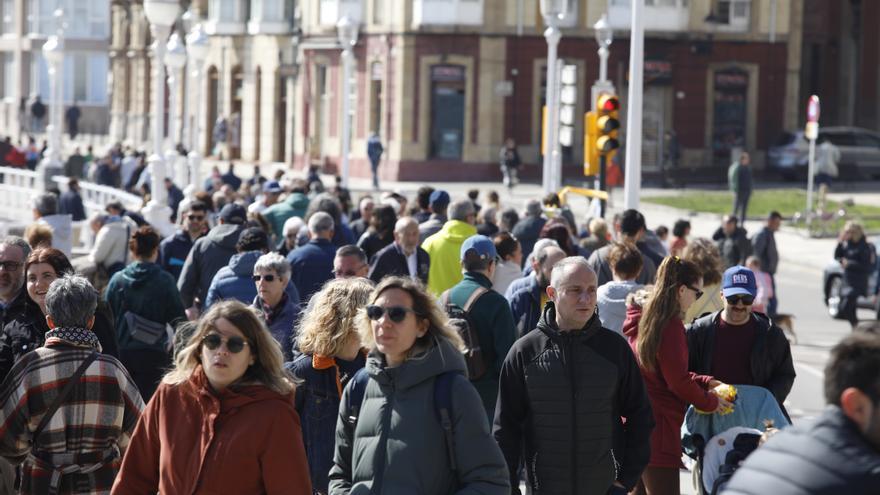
point(233, 344)
point(734, 300)
point(10, 266)
point(395, 313)
point(698, 292)
point(195, 218)
point(267, 278)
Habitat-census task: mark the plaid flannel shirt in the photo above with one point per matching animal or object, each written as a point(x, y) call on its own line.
point(100, 413)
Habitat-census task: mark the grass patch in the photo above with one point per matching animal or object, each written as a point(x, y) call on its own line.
point(785, 201)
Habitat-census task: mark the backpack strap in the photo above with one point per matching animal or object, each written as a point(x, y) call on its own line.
point(358, 385)
point(444, 299)
point(443, 409)
point(479, 291)
point(62, 396)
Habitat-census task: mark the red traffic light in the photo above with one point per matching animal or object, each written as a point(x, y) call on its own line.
point(608, 103)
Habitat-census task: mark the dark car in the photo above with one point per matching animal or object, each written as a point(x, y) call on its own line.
point(859, 153)
point(832, 281)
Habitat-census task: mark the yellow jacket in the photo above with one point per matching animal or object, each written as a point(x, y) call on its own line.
point(444, 248)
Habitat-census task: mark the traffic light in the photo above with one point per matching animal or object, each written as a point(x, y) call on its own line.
point(591, 153)
point(607, 124)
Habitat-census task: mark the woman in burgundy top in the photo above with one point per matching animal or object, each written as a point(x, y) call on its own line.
point(656, 335)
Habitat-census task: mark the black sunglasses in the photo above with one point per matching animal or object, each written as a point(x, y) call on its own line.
point(395, 313)
point(267, 278)
point(698, 292)
point(234, 344)
point(733, 300)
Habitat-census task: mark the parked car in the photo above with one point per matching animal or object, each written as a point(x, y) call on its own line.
point(859, 153)
point(832, 282)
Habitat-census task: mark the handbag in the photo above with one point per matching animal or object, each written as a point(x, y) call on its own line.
point(142, 329)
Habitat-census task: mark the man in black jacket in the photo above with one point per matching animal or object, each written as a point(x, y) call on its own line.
point(563, 390)
point(402, 257)
point(738, 346)
point(837, 453)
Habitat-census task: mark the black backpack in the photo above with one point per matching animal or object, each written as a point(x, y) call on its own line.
point(459, 319)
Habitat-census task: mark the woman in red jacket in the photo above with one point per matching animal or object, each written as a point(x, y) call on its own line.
point(656, 335)
point(223, 420)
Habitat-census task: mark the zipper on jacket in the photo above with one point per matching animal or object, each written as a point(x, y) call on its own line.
point(379, 470)
point(568, 351)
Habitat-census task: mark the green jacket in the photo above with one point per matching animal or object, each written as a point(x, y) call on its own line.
point(493, 321)
point(295, 205)
point(733, 176)
point(397, 445)
point(444, 249)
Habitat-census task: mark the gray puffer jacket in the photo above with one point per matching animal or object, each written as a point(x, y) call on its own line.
point(397, 445)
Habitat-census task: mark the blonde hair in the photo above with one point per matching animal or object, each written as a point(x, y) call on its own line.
point(856, 229)
point(425, 307)
point(332, 316)
point(267, 369)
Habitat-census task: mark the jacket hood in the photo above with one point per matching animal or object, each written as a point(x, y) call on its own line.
point(457, 231)
point(616, 292)
point(242, 264)
point(547, 324)
point(298, 201)
point(140, 272)
point(440, 358)
point(631, 323)
point(234, 397)
point(226, 235)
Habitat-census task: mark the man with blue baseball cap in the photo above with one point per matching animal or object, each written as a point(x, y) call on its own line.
point(738, 346)
point(487, 311)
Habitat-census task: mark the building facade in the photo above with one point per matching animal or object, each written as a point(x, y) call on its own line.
point(24, 27)
point(444, 82)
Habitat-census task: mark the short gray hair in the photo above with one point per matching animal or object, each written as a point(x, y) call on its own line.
point(292, 223)
point(403, 223)
point(273, 262)
point(534, 208)
point(46, 204)
point(320, 222)
point(14, 240)
point(460, 209)
point(564, 264)
point(71, 301)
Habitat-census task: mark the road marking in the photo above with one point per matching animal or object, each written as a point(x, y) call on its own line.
point(811, 370)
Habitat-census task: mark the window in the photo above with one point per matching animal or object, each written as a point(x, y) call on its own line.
point(732, 12)
point(83, 19)
point(7, 11)
point(9, 73)
point(85, 77)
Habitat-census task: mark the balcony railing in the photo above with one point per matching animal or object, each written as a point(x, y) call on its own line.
point(448, 12)
point(659, 15)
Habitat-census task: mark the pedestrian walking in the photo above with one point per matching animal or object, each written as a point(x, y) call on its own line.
point(38, 113)
point(510, 162)
point(374, 152)
point(739, 181)
point(71, 202)
point(528, 228)
point(509, 261)
point(764, 247)
point(145, 300)
point(733, 243)
point(857, 257)
point(626, 263)
point(331, 354)
point(68, 410)
point(71, 116)
point(444, 247)
point(389, 437)
point(563, 393)
point(656, 336)
point(223, 419)
point(827, 160)
point(705, 254)
point(235, 280)
point(837, 452)
point(380, 232)
point(680, 232)
point(45, 211)
point(312, 264)
point(403, 257)
point(26, 330)
point(174, 249)
point(277, 301)
point(350, 262)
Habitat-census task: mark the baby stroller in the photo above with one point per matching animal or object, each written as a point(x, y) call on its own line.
point(719, 443)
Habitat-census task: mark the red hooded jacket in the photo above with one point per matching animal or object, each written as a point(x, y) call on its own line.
point(190, 440)
point(671, 388)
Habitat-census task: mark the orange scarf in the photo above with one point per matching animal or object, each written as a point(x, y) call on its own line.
point(324, 362)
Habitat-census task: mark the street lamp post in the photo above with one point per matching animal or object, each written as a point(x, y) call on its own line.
point(197, 46)
point(347, 31)
point(187, 21)
point(175, 59)
point(161, 14)
point(552, 11)
point(53, 52)
point(633, 176)
point(604, 37)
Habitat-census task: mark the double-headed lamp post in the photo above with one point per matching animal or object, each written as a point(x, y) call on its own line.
point(161, 15)
point(53, 52)
point(552, 11)
point(197, 46)
point(604, 37)
point(347, 31)
point(175, 59)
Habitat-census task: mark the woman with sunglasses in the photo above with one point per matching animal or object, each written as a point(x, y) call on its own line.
point(143, 295)
point(277, 301)
point(656, 336)
point(223, 419)
point(392, 441)
point(328, 339)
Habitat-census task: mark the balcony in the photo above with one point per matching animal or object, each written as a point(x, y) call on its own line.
point(270, 17)
point(659, 15)
point(447, 13)
point(333, 10)
point(226, 17)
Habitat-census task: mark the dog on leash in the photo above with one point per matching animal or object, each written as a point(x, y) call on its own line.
point(786, 323)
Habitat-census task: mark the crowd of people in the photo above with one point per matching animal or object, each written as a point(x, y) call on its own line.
point(286, 339)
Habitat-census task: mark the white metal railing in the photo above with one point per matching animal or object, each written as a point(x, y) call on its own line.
point(95, 196)
point(18, 188)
